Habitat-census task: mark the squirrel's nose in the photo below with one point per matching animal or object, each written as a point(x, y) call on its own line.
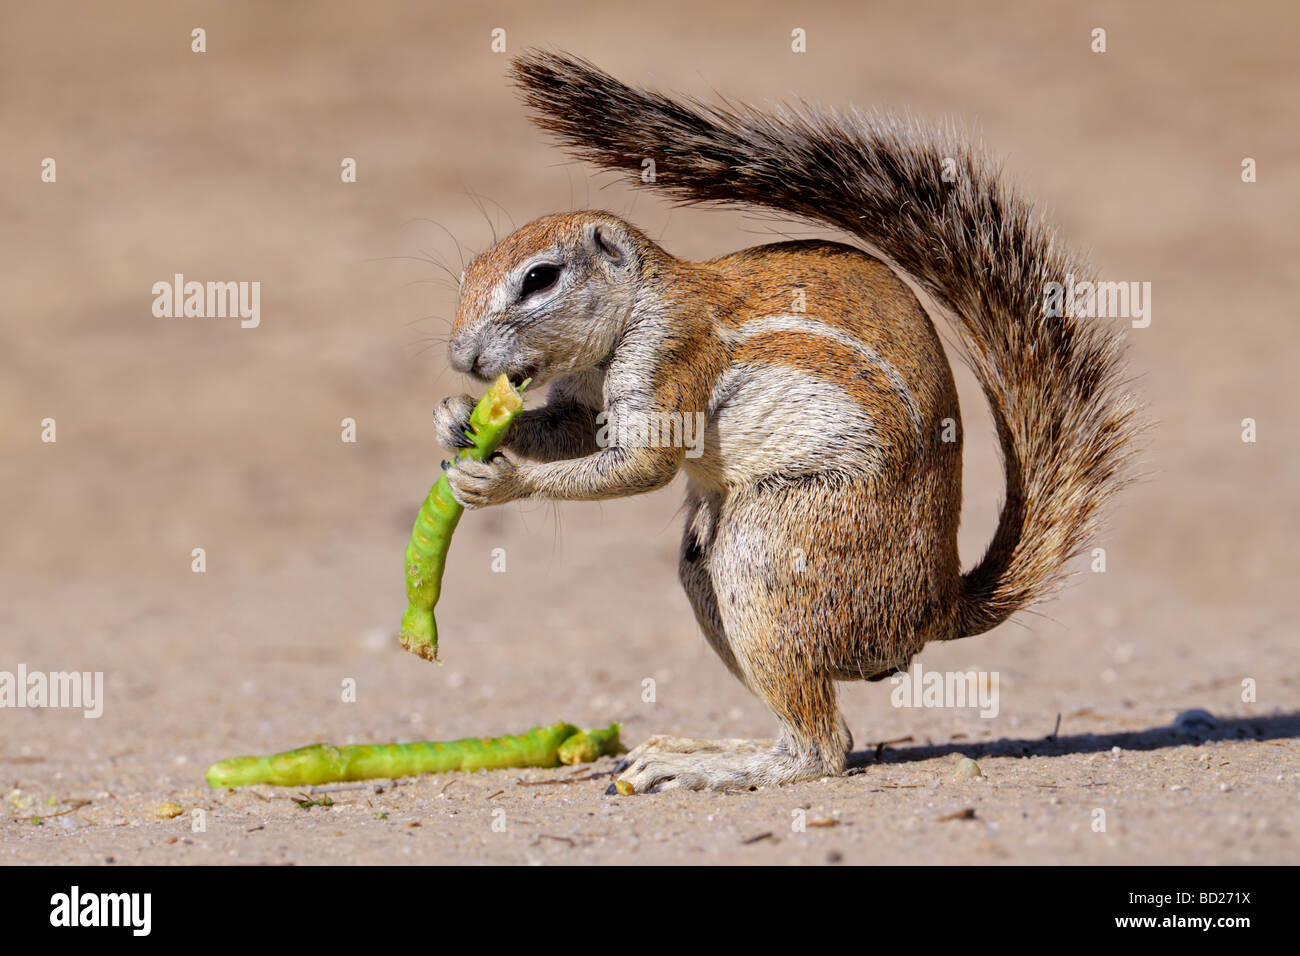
point(462, 354)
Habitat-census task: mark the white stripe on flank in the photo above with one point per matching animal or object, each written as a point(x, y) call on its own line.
point(777, 420)
point(795, 323)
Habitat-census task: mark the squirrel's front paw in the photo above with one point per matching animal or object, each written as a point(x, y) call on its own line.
point(477, 484)
point(451, 421)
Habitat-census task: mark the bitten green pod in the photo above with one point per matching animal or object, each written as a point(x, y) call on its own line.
point(588, 745)
point(326, 763)
point(426, 554)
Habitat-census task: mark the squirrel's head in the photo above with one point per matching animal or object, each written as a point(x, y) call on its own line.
point(551, 298)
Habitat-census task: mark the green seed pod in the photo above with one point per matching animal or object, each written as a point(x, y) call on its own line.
point(326, 763)
point(426, 555)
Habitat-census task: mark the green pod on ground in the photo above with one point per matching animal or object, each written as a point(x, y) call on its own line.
point(326, 763)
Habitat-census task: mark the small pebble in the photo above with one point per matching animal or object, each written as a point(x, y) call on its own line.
point(168, 810)
point(624, 788)
point(967, 769)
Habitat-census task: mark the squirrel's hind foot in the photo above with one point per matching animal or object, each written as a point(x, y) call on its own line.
point(683, 763)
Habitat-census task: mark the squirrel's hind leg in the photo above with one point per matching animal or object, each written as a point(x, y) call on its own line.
point(752, 619)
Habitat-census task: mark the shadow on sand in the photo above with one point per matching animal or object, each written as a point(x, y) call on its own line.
point(1278, 726)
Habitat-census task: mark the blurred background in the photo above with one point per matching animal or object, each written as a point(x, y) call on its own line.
point(176, 434)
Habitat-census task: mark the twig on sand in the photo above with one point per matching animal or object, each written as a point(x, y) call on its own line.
point(967, 813)
point(76, 805)
point(880, 747)
point(547, 783)
point(557, 839)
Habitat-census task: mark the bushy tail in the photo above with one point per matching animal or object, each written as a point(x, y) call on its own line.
point(981, 252)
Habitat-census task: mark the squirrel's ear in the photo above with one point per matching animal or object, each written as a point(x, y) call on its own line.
point(608, 242)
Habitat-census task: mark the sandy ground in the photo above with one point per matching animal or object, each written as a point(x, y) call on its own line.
point(176, 434)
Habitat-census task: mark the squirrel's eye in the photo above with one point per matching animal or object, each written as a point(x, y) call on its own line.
point(539, 279)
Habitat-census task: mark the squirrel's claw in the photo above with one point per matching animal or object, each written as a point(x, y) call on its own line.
point(451, 421)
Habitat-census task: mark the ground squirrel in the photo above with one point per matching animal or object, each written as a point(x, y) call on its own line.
point(821, 535)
